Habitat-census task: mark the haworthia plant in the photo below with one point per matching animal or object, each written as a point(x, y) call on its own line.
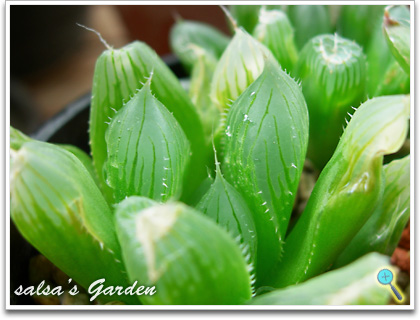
point(186, 33)
point(118, 74)
point(276, 33)
point(333, 74)
point(84, 159)
point(358, 22)
point(184, 254)
point(348, 190)
point(148, 152)
point(241, 63)
point(355, 284)
point(151, 136)
point(383, 230)
point(397, 31)
point(266, 140)
point(72, 225)
point(199, 90)
point(17, 139)
point(308, 22)
point(225, 205)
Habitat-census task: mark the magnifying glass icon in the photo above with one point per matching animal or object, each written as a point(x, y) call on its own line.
point(385, 276)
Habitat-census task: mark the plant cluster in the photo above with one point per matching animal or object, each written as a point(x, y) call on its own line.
point(193, 191)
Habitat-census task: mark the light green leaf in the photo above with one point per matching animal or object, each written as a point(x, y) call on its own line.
point(397, 31)
point(308, 22)
point(226, 206)
point(276, 33)
point(355, 284)
point(118, 75)
point(148, 152)
point(395, 81)
point(17, 138)
point(382, 232)
point(333, 74)
point(199, 91)
point(185, 255)
point(378, 57)
point(58, 208)
point(241, 63)
point(84, 159)
point(358, 22)
point(348, 190)
point(185, 34)
point(265, 147)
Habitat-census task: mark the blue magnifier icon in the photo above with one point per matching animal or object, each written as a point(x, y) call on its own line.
point(385, 277)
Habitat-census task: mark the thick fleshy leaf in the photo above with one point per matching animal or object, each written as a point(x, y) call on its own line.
point(397, 32)
point(17, 138)
point(118, 74)
point(84, 159)
point(58, 208)
point(148, 152)
point(199, 90)
point(266, 140)
point(358, 22)
point(184, 254)
point(355, 284)
point(241, 63)
point(308, 22)
point(226, 206)
point(185, 34)
point(333, 74)
point(276, 33)
point(348, 190)
point(383, 230)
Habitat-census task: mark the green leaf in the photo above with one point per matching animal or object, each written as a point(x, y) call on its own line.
point(241, 63)
point(148, 152)
point(186, 33)
point(397, 31)
point(308, 22)
point(383, 230)
point(266, 140)
point(58, 208)
point(378, 57)
point(118, 75)
point(228, 209)
point(355, 284)
point(184, 254)
point(395, 81)
point(348, 190)
point(246, 16)
point(276, 33)
point(199, 91)
point(17, 138)
point(84, 159)
point(333, 74)
point(358, 22)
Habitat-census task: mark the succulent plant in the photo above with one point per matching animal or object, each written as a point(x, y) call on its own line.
point(191, 193)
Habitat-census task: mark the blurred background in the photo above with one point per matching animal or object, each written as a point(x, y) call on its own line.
point(53, 59)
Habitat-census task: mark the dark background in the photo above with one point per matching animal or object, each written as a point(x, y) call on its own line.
point(52, 59)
